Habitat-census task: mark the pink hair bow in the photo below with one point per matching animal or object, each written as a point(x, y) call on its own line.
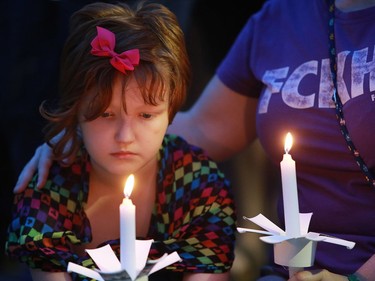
point(103, 45)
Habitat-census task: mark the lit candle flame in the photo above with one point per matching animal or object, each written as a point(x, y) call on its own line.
point(288, 142)
point(129, 185)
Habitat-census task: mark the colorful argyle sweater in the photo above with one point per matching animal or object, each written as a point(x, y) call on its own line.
point(193, 214)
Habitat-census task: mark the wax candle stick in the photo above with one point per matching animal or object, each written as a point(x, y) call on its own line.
point(127, 230)
point(290, 194)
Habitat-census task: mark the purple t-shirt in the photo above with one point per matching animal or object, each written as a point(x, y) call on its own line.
point(283, 50)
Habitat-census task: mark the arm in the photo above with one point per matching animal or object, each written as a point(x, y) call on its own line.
point(41, 235)
point(222, 121)
point(39, 275)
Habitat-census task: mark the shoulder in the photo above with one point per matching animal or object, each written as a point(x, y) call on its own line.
point(178, 149)
point(188, 164)
point(273, 11)
point(64, 184)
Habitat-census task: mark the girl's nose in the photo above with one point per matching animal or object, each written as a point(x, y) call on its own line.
point(124, 131)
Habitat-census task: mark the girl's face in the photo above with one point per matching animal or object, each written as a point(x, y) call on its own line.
point(119, 142)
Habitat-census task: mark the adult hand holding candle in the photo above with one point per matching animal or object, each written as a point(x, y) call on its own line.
point(127, 230)
point(290, 194)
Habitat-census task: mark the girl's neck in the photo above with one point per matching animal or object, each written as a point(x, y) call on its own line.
point(145, 182)
point(110, 184)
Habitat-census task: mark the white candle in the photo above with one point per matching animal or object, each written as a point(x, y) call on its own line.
point(127, 230)
point(290, 195)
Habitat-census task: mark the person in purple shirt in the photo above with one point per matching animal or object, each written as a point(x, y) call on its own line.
point(280, 76)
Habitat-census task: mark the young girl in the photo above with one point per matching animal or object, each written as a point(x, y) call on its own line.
point(123, 77)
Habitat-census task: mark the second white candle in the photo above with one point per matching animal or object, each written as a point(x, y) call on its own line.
point(290, 193)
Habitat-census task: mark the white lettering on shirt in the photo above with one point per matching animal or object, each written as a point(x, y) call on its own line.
point(272, 86)
point(290, 94)
point(287, 83)
point(361, 67)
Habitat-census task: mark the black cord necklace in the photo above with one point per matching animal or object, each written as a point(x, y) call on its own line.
point(336, 98)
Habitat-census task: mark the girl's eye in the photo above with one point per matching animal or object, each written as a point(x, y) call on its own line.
point(146, 115)
point(106, 114)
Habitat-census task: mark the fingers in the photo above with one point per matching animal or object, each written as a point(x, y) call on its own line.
point(321, 275)
point(300, 276)
point(41, 162)
point(44, 164)
point(306, 276)
point(27, 172)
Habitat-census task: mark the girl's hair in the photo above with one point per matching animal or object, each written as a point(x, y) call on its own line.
point(163, 71)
